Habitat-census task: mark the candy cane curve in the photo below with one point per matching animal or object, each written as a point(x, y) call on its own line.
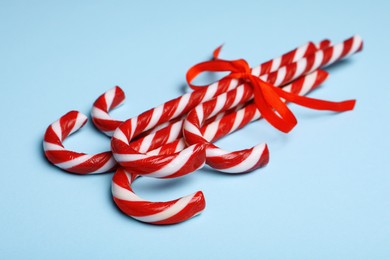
point(159, 166)
point(70, 161)
point(184, 208)
point(158, 213)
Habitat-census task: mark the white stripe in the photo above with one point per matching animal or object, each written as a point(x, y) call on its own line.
point(287, 89)
point(52, 147)
point(182, 104)
point(300, 52)
point(57, 129)
point(175, 165)
point(107, 166)
point(276, 64)
point(221, 101)
point(308, 83)
point(119, 157)
point(280, 76)
point(74, 162)
point(109, 133)
point(169, 212)
point(301, 65)
point(118, 134)
point(211, 90)
point(233, 84)
point(357, 41)
point(109, 97)
point(100, 114)
point(239, 95)
point(146, 142)
point(256, 71)
point(238, 120)
point(249, 162)
point(175, 131)
point(337, 50)
point(133, 123)
point(188, 126)
point(264, 77)
point(199, 113)
point(213, 152)
point(318, 59)
point(157, 112)
point(211, 131)
point(80, 120)
point(124, 194)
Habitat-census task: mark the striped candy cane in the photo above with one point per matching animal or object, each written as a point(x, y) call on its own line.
point(159, 166)
point(321, 58)
point(132, 128)
point(115, 96)
point(120, 141)
point(220, 127)
point(159, 213)
point(184, 208)
point(238, 161)
point(70, 161)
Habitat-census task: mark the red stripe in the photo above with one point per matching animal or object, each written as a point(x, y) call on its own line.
point(67, 123)
point(118, 97)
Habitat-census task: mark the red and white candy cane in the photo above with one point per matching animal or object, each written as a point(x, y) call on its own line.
point(238, 161)
point(227, 124)
point(289, 57)
point(70, 161)
point(319, 59)
point(179, 210)
point(115, 96)
point(141, 163)
point(159, 166)
point(159, 213)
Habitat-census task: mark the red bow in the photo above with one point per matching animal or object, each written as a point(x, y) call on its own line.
point(266, 96)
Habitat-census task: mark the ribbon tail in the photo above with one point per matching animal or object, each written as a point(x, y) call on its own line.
point(317, 104)
point(217, 51)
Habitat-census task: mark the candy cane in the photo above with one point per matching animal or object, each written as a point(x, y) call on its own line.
point(115, 96)
point(319, 59)
point(159, 213)
point(219, 127)
point(130, 129)
point(159, 166)
point(287, 58)
point(182, 209)
point(70, 161)
point(238, 161)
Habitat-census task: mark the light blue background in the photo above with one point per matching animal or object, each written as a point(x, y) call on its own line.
point(324, 195)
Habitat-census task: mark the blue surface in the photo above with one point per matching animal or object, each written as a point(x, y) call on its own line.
point(324, 195)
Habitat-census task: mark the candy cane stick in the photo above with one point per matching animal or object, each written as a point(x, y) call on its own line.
point(227, 124)
point(131, 159)
point(287, 58)
point(160, 213)
point(184, 208)
point(115, 96)
point(321, 58)
point(238, 161)
point(159, 166)
point(87, 164)
point(70, 161)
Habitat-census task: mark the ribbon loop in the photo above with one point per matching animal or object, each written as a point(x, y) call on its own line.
point(267, 97)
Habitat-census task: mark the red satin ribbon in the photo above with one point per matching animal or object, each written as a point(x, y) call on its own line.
point(266, 96)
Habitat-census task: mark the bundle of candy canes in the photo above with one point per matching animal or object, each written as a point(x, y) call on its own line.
point(176, 138)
